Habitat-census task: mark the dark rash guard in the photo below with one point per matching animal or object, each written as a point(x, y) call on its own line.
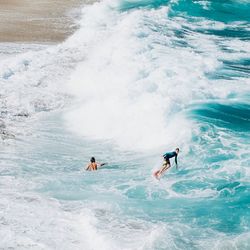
point(169, 155)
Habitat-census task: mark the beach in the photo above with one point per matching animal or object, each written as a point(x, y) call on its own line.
point(38, 21)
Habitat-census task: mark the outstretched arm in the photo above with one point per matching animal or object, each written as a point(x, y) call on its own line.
point(101, 164)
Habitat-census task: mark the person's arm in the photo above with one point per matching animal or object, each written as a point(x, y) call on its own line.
point(176, 163)
point(101, 164)
point(87, 167)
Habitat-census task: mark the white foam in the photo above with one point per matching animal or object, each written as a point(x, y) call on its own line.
point(223, 242)
point(132, 86)
point(131, 89)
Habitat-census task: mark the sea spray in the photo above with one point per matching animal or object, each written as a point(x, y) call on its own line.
point(136, 80)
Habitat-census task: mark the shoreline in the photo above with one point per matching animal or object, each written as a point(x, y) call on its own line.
point(39, 22)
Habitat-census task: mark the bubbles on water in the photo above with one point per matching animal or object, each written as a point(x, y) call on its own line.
point(138, 73)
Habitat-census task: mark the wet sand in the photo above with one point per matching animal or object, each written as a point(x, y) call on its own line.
point(38, 20)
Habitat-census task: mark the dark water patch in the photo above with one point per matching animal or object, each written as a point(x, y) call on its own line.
point(231, 190)
point(240, 33)
point(178, 36)
point(185, 187)
point(183, 32)
point(223, 214)
point(180, 43)
point(4, 135)
point(181, 37)
point(224, 74)
point(128, 5)
point(219, 157)
point(138, 192)
point(230, 185)
point(219, 10)
point(22, 114)
point(231, 116)
point(227, 49)
point(239, 68)
point(231, 69)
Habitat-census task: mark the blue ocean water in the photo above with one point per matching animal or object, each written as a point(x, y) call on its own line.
point(137, 79)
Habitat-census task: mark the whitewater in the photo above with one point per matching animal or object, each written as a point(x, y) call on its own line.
point(137, 79)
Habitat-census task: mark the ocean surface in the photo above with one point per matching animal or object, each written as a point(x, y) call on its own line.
point(137, 79)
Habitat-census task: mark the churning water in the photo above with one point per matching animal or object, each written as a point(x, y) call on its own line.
point(137, 78)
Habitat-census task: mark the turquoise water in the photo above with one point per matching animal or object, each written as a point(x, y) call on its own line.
point(137, 79)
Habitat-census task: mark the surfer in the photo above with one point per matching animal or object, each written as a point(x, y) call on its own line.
point(166, 164)
point(92, 166)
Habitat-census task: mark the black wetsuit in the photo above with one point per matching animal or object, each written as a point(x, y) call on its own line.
point(169, 155)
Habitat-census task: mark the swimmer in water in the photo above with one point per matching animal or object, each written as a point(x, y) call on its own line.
point(93, 165)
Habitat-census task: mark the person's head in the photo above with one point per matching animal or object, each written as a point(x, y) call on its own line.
point(92, 159)
point(177, 150)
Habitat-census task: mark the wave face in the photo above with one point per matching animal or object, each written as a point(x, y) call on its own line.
point(137, 79)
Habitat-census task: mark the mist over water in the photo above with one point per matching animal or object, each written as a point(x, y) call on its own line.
point(137, 78)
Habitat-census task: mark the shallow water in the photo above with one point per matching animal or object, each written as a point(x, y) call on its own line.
point(137, 79)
